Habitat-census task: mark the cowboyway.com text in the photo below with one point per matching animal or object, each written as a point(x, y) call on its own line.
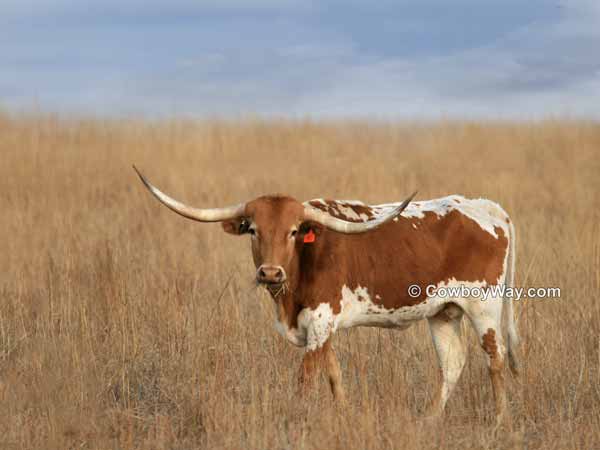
point(485, 293)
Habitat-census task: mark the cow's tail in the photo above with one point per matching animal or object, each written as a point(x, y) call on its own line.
point(513, 337)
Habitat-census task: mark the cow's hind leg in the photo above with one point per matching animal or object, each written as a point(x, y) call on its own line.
point(486, 318)
point(445, 332)
point(314, 360)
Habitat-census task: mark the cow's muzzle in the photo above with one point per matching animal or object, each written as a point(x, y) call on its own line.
point(270, 274)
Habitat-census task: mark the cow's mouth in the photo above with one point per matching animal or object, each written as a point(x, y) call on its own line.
point(275, 289)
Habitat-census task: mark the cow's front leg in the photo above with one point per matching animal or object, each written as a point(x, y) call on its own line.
point(310, 368)
point(320, 354)
point(314, 361)
point(334, 373)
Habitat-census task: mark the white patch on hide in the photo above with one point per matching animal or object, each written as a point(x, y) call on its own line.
point(319, 327)
point(359, 310)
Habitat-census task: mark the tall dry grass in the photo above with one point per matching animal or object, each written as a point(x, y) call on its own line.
point(125, 326)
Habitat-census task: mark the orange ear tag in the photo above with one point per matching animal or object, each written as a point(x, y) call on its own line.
point(309, 237)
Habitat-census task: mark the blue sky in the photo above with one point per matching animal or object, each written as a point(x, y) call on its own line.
point(329, 58)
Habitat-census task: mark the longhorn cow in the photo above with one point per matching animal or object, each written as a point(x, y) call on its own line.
point(332, 264)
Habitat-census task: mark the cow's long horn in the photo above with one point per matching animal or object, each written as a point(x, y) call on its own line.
point(344, 226)
point(201, 215)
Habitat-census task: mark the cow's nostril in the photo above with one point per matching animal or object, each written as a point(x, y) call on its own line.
point(279, 274)
point(261, 273)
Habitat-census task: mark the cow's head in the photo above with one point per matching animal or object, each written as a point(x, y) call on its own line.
point(277, 226)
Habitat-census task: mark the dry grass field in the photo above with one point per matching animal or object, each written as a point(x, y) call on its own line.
point(124, 326)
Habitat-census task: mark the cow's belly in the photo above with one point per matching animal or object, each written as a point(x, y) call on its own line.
point(366, 313)
point(322, 321)
point(357, 309)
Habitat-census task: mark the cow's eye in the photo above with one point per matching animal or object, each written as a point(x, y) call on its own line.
point(244, 225)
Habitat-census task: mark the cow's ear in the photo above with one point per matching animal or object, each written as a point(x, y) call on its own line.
point(236, 226)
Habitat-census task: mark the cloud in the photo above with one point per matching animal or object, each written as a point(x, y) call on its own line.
point(501, 59)
point(92, 9)
point(543, 68)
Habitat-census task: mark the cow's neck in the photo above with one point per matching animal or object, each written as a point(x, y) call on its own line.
point(287, 307)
